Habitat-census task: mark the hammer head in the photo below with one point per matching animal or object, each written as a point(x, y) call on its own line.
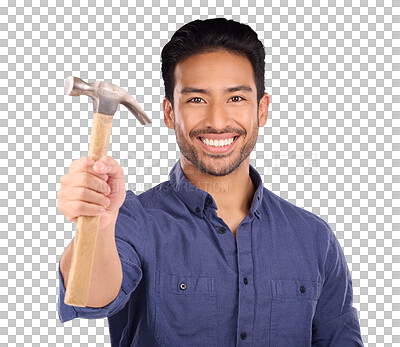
point(106, 97)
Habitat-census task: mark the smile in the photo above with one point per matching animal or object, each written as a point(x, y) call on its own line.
point(217, 143)
point(217, 146)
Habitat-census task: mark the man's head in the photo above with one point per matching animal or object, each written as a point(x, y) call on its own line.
point(200, 36)
point(203, 65)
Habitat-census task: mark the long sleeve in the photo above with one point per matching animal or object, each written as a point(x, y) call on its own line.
point(130, 241)
point(335, 321)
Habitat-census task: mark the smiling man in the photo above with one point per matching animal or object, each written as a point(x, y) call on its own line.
point(210, 257)
point(216, 119)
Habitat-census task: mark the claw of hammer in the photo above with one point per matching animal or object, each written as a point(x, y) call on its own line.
point(106, 97)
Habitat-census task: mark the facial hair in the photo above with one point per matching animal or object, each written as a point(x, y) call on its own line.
point(217, 164)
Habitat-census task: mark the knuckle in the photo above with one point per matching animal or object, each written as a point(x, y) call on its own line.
point(81, 163)
point(87, 162)
point(75, 163)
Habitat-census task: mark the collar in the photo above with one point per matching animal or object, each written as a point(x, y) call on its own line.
point(197, 199)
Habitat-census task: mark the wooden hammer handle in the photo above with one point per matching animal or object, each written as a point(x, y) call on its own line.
point(77, 291)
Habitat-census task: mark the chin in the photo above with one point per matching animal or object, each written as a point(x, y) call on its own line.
point(217, 165)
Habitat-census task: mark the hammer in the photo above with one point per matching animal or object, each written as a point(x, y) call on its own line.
point(106, 99)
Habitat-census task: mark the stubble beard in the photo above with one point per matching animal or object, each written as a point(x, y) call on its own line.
point(216, 164)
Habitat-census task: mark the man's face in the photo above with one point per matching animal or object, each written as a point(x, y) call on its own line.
point(205, 109)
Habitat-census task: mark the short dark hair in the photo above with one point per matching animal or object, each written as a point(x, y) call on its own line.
point(211, 35)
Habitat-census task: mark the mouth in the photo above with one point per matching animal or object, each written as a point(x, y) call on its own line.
point(216, 145)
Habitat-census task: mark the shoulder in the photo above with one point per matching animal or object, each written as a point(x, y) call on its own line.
point(153, 201)
point(156, 195)
point(296, 217)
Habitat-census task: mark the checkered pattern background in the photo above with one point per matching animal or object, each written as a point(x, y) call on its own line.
point(330, 145)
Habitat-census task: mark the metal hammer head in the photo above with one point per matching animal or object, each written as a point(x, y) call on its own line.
point(106, 97)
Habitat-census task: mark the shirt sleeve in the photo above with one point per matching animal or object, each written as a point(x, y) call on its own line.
point(335, 321)
point(130, 238)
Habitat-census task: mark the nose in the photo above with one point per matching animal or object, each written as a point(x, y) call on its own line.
point(218, 116)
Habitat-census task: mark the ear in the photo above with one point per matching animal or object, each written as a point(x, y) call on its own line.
point(263, 110)
point(168, 114)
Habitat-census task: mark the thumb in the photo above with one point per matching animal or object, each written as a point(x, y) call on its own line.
point(109, 166)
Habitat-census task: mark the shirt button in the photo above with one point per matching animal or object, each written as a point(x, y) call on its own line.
point(243, 336)
point(183, 286)
point(245, 280)
point(302, 289)
point(197, 209)
point(257, 212)
point(209, 200)
point(222, 230)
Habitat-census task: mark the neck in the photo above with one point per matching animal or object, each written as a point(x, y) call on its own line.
point(233, 192)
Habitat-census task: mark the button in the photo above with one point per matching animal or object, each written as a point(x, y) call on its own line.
point(183, 286)
point(257, 212)
point(198, 209)
point(245, 280)
point(302, 289)
point(209, 200)
point(222, 230)
point(243, 336)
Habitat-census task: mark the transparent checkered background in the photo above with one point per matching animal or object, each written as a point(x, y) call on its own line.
point(330, 145)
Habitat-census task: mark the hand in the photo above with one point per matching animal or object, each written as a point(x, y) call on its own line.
point(87, 188)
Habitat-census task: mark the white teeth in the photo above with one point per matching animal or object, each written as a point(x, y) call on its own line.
point(217, 143)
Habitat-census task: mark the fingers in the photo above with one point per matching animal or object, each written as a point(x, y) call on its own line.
point(73, 209)
point(87, 195)
point(81, 201)
point(84, 180)
point(89, 190)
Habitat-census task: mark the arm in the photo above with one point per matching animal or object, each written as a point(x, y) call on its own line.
point(335, 321)
point(130, 240)
point(116, 269)
point(106, 277)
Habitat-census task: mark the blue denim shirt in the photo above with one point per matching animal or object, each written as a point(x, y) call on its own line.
point(187, 281)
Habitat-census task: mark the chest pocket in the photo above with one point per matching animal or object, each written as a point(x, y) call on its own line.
point(186, 310)
point(292, 310)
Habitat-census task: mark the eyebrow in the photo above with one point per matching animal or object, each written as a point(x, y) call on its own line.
point(188, 90)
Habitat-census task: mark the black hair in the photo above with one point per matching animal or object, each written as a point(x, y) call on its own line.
point(211, 35)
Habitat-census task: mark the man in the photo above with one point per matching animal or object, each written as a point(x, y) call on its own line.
point(210, 257)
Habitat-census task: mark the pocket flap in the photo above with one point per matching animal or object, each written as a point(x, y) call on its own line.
point(298, 289)
point(181, 284)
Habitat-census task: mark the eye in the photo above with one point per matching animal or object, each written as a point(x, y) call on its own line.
point(196, 98)
point(238, 97)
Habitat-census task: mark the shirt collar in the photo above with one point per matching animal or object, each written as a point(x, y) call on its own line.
point(197, 199)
